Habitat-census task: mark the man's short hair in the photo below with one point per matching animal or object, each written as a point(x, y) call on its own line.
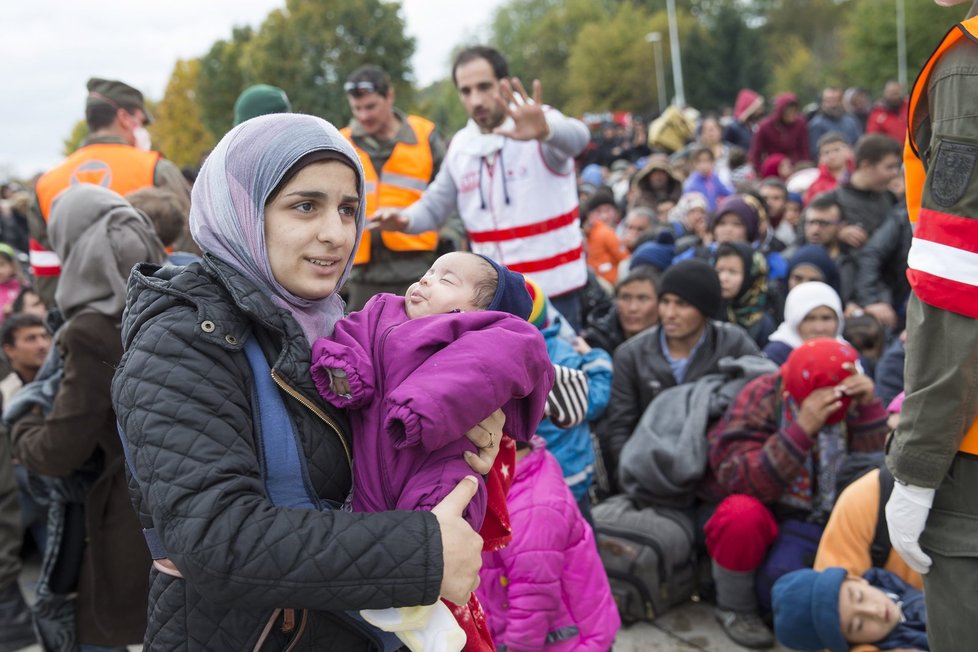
point(640, 273)
point(368, 79)
point(829, 138)
point(100, 116)
point(164, 211)
point(15, 322)
point(823, 202)
point(498, 62)
point(774, 183)
point(873, 148)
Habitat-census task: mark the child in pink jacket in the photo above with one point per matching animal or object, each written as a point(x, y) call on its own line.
point(547, 590)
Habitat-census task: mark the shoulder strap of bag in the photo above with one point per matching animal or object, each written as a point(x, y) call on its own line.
point(879, 551)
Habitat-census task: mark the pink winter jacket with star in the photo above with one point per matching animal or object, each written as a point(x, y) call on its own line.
point(418, 385)
point(547, 590)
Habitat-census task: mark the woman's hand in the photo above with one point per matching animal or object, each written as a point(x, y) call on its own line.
point(486, 437)
point(461, 546)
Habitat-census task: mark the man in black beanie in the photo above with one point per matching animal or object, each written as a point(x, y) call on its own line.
point(686, 345)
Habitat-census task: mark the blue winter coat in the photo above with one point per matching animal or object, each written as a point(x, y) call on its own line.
point(572, 447)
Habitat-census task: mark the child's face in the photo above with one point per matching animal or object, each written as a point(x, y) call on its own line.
point(819, 322)
point(6, 270)
point(834, 156)
point(730, 269)
point(729, 228)
point(867, 615)
point(449, 285)
point(704, 164)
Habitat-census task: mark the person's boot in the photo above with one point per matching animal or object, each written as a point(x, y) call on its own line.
point(16, 623)
point(737, 608)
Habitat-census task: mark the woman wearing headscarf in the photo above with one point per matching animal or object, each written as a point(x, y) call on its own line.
point(278, 211)
point(95, 546)
point(811, 310)
point(743, 285)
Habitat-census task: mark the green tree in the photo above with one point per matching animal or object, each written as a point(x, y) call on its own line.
point(720, 67)
point(74, 140)
point(870, 53)
point(309, 48)
point(795, 70)
point(177, 130)
point(610, 65)
point(439, 103)
point(536, 37)
point(220, 80)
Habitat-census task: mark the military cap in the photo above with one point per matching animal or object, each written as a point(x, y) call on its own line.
point(117, 94)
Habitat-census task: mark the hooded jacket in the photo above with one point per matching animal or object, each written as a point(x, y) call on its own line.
point(183, 393)
point(649, 196)
point(547, 590)
point(416, 387)
point(572, 446)
point(773, 136)
point(739, 132)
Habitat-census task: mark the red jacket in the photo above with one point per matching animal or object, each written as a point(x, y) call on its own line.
point(775, 137)
point(893, 123)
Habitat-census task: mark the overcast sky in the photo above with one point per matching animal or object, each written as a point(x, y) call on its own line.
point(51, 47)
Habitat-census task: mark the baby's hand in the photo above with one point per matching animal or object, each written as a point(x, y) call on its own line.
point(338, 382)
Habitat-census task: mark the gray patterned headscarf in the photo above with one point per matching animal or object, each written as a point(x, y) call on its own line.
point(227, 214)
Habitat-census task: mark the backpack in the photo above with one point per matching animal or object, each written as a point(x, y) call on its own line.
point(284, 473)
point(649, 555)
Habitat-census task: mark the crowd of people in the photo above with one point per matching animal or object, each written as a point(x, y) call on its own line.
point(343, 388)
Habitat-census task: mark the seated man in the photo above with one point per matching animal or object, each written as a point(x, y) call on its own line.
point(686, 345)
point(775, 455)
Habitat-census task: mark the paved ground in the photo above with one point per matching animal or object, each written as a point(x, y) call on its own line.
point(688, 628)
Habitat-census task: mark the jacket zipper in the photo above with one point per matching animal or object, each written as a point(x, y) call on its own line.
point(315, 410)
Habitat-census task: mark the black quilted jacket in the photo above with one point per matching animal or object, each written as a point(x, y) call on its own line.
point(182, 395)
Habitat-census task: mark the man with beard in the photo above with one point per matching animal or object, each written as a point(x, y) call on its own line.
point(890, 115)
point(832, 116)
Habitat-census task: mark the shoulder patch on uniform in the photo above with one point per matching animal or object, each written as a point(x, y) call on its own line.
point(952, 171)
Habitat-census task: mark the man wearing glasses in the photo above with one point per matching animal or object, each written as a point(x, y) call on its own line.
point(400, 154)
point(115, 155)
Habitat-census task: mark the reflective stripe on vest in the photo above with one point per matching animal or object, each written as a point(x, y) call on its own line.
point(402, 180)
point(943, 260)
point(114, 166)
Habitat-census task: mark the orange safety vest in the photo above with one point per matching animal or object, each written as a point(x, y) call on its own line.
point(402, 180)
point(939, 237)
point(115, 166)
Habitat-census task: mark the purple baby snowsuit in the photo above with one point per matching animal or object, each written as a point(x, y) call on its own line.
point(417, 386)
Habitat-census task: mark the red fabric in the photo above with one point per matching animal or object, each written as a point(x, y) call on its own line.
point(740, 532)
point(819, 363)
point(770, 166)
point(948, 229)
point(496, 531)
point(472, 619)
point(893, 123)
point(527, 230)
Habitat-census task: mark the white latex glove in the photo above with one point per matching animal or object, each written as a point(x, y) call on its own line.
point(906, 516)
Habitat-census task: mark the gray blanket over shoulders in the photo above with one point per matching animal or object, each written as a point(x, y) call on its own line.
point(665, 458)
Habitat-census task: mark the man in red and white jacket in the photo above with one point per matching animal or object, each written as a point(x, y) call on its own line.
point(510, 175)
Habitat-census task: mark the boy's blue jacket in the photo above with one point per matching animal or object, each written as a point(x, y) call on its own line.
point(572, 447)
point(912, 632)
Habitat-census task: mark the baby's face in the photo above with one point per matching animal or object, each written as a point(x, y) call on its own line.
point(449, 285)
point(867, 614)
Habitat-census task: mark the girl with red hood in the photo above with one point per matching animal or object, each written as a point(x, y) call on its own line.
point(783, 131)
point(775, 455)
